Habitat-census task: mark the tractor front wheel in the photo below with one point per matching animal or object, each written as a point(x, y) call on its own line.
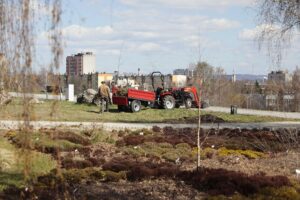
point(188, 103)
point(168, 102)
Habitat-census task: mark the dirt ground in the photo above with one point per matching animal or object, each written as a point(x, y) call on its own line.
point(161, 164)
point(148, 189)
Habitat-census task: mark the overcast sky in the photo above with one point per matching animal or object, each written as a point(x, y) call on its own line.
point(164, 35)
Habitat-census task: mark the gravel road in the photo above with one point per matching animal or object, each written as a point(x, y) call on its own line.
point(289, 115)
point(121, 126)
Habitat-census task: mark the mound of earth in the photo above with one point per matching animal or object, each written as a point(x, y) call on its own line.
point(211, 119)
point(207, 118)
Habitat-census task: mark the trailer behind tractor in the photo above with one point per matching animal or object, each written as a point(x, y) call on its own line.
point(133, 100)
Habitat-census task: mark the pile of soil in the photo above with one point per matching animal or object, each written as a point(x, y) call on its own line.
point(172, 139)
point(207, 118)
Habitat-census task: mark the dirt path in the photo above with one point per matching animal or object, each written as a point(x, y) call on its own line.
point(121, 126)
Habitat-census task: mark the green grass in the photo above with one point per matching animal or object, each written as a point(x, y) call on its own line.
point(78, 112)
point(12, 164)
point(67, 111)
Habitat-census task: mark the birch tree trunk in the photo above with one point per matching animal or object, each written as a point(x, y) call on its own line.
point(198, 132)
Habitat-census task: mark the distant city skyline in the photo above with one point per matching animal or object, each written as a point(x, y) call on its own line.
point(164, 35)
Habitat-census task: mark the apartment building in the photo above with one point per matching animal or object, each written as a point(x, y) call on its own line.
point(81, 63)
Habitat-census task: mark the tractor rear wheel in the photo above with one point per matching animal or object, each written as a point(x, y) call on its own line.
point(188, 103)
point(168, 102)
point(135, 106)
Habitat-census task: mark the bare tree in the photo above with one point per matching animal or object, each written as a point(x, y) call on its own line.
point(278, 19)
point(18, 29)
point(198, 135)
point(296, 89)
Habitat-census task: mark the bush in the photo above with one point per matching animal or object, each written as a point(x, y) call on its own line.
point(163, 145)
point(170, 156)
point(136, 152)
point(76, 176)
point(206, 153)
point(69, 163)
point(283, 193)
point(156, 129)
point(70, 136)
point(100, 136)
point(220, 181)
point(247, 153)
point(11, 134)
point(159, 150)
point(144, 131)
point(108, 176)
point(182, 146)
point(133, 140)
point(141, 170)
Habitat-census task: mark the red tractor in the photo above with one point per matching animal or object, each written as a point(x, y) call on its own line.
point(159, 98)
point(174, 97)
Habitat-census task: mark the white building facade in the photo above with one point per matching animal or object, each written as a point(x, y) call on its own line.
point(81, 63)
point(279, 76)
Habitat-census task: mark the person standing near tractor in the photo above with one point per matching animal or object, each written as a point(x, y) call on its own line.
point(105, 97)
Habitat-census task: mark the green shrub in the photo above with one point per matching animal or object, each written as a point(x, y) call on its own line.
point(134, 151)
point(74, 175)
point(11, 134)
point(78, 175)
point(183, 146)
point(144, 131)
point(247, 153)
point(160, 150)
point(204, 153)
point(171, 156)
point(234, 197)
point(283, 193)
point(114, 176)
point(102, 136)
point(163, 145)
